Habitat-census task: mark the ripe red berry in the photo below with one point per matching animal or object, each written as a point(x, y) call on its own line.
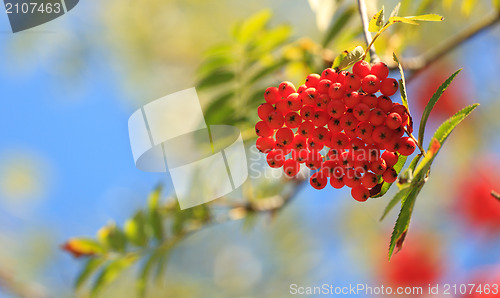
point(393, 121)
point(286, 88)
point(264, 144)
point(356, 145)
point(407, 147)
point(352, 178)
point(284, 136)
point(313, 145)
point(299, 143)
point(301, 88)
point(294, 103)
point(390, 158)
point(393, 145)
point(320, 118)
point(378, 166)
point(275, 120)
point(381, 134)
point(377, 117)
point(384, 103)
point(321, 134)
point(402, 111)
point(314, 160)
point(370, 100)
point(293, 120)
point(307, 112)
point(336, 91)
point(312, 80)
point(271, 95)
point(300, 155)
point(361, 111)
point(389, 86)
point(337, 180)
point(360, 193)
point(340, 140)
point(336, 109)
point(275, 159)
point(369, 180)
point(352, 99)
point(390, 175)
point(353, 82)
point(380, 70)
point(361, 68)
point(341, 77)
point(370, 84)
point(282, 106)
point(364, 129)
point(308, 97)
point(322, 101)
point(264, 110)
point(263, 130)
point(318, 180)
point(348, 122)
point(324, 86)
point(291, 167)
point(329, 74)
point(334, 125)
point(306, 129)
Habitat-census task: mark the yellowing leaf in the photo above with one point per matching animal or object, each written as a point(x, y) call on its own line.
point(427, 17)
point(348, 57)
point(82, 247)
point(377, 21)
point(405, 20)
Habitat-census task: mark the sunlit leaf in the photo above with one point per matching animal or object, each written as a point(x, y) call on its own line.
point(382, 188)
point(402, 193)
point(91, 266)
point(264, 72)
point(426, 17)
point(251, 26)
point(348, 57)
point(405, 20)
point(377, 21)
point(430, 105)
point(112, 270)
point(215, 78)
point(395, 11)
point(402, 83)
point(82, 247)
point(467, 6)
point(135, 229)
point(338, 25)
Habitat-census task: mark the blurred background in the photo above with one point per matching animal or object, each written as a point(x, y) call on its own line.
point(66, 168)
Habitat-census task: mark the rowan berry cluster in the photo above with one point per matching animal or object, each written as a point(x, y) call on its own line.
point(337, 126)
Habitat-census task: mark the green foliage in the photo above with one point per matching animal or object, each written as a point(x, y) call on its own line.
point(382, 188)
point(348, 58)
point(339, 25)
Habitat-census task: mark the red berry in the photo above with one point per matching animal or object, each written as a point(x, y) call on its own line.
point(393, 145)
point(307, 112)
point(377, 117)
point(271, 95)
point(318, 180)
point(348, 122)
point(353, 82)
point(393, 121)
point(337, 181)
point(301, 88)
point(313, 145)
point(264, 144)
point(369, 180)
point(360, 193)
point(312, 80)
point(390, 175)
point(314, 160)
point(264, 110)
point(320, 118)
point(300, 155)
point(291, 167)
point(381, 134)
point(334, 125)
point(408, 146)
point(340, 140)
point(306, 129)
point(329, 74)
point(263, 130)
point(329, 167)
point(275, 159)
point(274, 120)
point(336, 109)
point(370, 100)
point(324, 86)
point(380, 70)
point(378, 166)
point(341, 77)
point(308, 97)
point(299, 143)
point(294, 102)
point(352, 99)
point(361, 111)
point(390, 158)
point(321, 134)
point(402, 111)
point(356, 144)
point(384, 103)
point(284, 136)
point(352, 178)
point(336, 91)
point(286, 88)
point(364, 129)
point(389, 86)
point(361, 68)
point(293, 120)
point(322, 101)
point(370, 84)
point(282, 106)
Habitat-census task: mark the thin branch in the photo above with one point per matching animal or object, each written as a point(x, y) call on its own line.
point(422, 62)
point(495, 194)
point(416, 141)
point(368, 36)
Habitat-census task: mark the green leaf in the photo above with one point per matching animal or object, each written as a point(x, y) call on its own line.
point(214, 63)
point(269, 41)
point(398, 197)
point(402, 84)
point(89, 268)
point(395, 11)
point(253, 25)
point(142, 280)
point(215, 78)
point(339, 24)
point(414, 162)
point(377, 21)
point(382, 188)
point(348, 57)
point(113, 237)
point(111, 271)
point(430, 105)
point(264, 72)
point(135, 229)
point(154, 197)
point(83, 247)
point(404, 217)
point(439, 138)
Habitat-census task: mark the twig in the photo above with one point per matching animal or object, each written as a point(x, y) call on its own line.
point(368, 36)
point(422, 62)
point(495, 194)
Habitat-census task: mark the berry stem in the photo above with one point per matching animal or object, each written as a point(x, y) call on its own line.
point(416, 141)
point(495, 194)
point(368, 36)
